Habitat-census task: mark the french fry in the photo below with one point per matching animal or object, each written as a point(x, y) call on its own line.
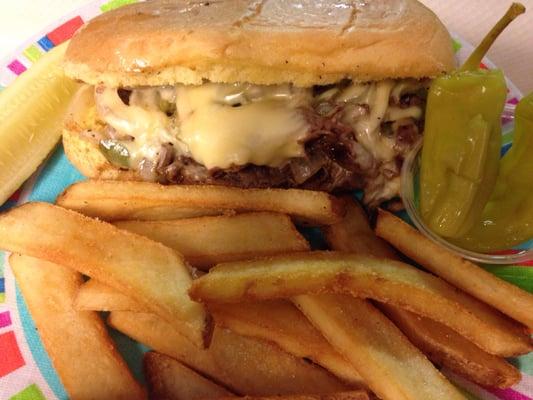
point(383, 280)
point(391, 366)
point(357, 329)
point(112, 201)
point(444, 347)
point(280, 322)
point(208, 241)
point(354, 235)
point(170, 380)
point(242, 364)
point(77, 342)
point(353, 395)
point(149, 272)
point(502, 295)
point(276, 321)
point(95, 296)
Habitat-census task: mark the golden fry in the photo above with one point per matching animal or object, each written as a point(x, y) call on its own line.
point(357, 329)
point(170, 380)
point(502, 295)
point(354, 235)
point(208, 241)
point(77, 342)
point(244, 365)
point(383, 280)
point(352, 395)
point(446, 348)
point(120, 200)
point(96, 296)
point(278, 321)
point(442, 345)
point(391, 366)
point(149, 272)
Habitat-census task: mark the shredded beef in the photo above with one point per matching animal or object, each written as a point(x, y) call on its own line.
point(330, 162)
point(408, 100)
point(124, 95)
point(166, 157)
point(333, 161)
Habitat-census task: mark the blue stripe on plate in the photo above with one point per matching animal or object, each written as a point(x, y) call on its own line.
point(45, 43)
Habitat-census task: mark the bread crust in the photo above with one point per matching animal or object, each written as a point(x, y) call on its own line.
point(303, 42)
point(89, 160)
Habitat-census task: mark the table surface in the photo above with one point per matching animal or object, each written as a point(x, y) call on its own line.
point(513, 52)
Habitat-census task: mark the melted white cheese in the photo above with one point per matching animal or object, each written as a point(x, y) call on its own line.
point(264, 129)
point(358, 93)
point(366, 128)
point(142, 120)
point(396, 113)
point(220, 125)
point(150, 98)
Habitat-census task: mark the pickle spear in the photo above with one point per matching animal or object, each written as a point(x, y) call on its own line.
point(31, 111)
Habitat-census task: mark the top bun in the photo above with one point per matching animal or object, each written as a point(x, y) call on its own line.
point(303, 42)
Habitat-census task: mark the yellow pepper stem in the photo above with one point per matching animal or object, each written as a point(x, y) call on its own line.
point(475, 58)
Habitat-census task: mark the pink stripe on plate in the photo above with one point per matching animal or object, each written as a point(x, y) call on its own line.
point(16, 67)
point(522, 263)
point(5, 319)
point(509, 394)
point(525, 386)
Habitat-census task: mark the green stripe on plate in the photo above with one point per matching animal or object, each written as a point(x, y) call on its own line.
point(456, 45)
point(507, 138)
point(32, 392)
point(32, 53)
point(519, 276)
point(111, 5)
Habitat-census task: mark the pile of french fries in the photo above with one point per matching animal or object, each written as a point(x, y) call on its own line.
point(232, 300)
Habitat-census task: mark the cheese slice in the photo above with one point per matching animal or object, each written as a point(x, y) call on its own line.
point(224, 125)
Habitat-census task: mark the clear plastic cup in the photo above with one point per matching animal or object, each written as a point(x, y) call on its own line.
point(409, 194)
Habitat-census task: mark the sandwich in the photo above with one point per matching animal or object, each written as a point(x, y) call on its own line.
point(323, 95)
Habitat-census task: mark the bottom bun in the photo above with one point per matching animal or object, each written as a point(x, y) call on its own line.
point(84, 154)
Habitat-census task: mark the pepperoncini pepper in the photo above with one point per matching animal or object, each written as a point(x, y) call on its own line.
point(461, 149)
point(507, 219)
point(462, 137)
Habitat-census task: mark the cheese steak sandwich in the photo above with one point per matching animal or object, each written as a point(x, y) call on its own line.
point(325, 95)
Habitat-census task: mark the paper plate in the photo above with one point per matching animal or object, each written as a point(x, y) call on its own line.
point(26, 372)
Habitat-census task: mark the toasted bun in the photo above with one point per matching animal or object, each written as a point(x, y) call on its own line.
point(260, 41)
point(81, 150)
point(87, 158)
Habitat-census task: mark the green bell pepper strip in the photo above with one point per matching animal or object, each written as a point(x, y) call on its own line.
point(507, 219)
point(115, 152)
point(462, 136)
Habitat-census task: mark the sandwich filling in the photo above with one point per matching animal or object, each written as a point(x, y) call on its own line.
point(337, 137)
